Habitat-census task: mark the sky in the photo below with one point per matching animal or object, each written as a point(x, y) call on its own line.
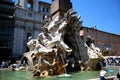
point(104, 14)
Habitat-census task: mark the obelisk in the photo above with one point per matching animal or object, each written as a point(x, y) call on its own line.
point(59, 7)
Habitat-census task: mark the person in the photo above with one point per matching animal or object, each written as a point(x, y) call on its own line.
point(3, 65)
point(103, 74)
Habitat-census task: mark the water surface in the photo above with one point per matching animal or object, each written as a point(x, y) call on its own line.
point(81, 75)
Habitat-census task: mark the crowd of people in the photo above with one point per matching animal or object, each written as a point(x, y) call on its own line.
point(103, 72)
point(5, 64)
point(17, 65)
point(112, 61)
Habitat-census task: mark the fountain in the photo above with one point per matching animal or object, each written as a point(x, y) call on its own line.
point(57, 50)
point(59, 47)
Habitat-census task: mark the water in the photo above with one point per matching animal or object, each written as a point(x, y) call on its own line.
point(112, 70)
point(81, 75)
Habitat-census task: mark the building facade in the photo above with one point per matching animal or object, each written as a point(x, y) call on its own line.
point(29, 19)
point(6, 29)
point(104, 40)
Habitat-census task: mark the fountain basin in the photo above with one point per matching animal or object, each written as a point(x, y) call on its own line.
point(7, 74)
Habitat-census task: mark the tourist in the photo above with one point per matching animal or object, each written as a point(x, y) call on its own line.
point(103, 74)
point(3, 65)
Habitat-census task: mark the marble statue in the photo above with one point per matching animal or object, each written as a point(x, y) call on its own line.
point(93, 51)
point(59, 46)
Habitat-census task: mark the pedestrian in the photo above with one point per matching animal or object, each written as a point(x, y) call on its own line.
point(3, 65)
point(103, 74)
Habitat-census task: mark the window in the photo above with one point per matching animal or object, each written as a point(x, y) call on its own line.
point(87, 30)
point(106, 46)
point(43, 17)
point(99, 45)
point(43, 9)
point(47, 9)
point(92, 30)
point(103, 46)
point(30, 14)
